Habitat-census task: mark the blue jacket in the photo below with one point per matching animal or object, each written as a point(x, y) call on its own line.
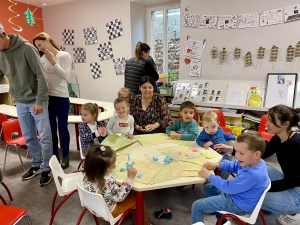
point(220, 137)
point(248, 185)
point(188, 131)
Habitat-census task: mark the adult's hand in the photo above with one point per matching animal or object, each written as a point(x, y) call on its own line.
point(37, 109)
point(223, 148)
point(141, 129)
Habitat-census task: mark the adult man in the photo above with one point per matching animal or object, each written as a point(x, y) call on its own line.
point(20, 62)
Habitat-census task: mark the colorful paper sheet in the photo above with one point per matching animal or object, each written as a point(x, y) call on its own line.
point(156, 139)
point(163, 175)
point(117, 141)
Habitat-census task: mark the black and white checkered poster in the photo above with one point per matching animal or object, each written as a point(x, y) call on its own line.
point(114, 29)
point(96, 70)
point(105, 51)
point(90, 35)
point(62, 48)
point(68, 37)
point(79, 55)
point(119, 65)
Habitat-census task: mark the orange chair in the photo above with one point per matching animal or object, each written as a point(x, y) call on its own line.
point(12, 215)
point(9, 127)
point(222, 121)
point(262, 128)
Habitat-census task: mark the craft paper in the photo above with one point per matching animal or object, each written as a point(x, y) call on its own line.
point(183, 91)
point(280, 93)
point(90, 35)
point(190, 20)
point(117, 141)
point(197, 92)
point(68, 37)
point(119, 65)
point(194, 49)
point(271, 17)
point(208, 21)
point(195, 67)
point(227, 22)
point(105, 51)
point(248, 20)
point(95, 70)
point(292, 13)
point(152, 139)
point(79, 55)
point(114, 29)
point(163, 175)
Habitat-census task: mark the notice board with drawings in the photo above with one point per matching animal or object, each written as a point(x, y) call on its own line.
point(281, 88)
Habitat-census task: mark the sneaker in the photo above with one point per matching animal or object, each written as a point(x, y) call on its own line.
point(31, 173)
point(287, 219)
point(45, 178)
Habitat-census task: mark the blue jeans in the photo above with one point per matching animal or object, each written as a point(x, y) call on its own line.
point(59, 108)
point(29, 122)
point(283, 201)
point(216, 201)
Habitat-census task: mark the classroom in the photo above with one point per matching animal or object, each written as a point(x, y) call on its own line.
point(214, 69)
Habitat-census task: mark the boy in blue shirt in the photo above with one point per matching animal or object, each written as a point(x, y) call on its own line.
point(185, 128)
point(241, 194)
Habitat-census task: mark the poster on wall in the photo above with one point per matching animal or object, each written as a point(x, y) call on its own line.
point(227, 22)
point(292, 13)
point(255, 97)
point(248, 20)
point(199, 92)
point(271, 17)
point(183, 91)
point(195, 68)
point(208, 21)
point(194, 49)
point(190, 20)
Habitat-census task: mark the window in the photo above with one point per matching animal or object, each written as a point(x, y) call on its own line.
point(165, 40)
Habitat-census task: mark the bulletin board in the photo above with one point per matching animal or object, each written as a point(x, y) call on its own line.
point(281, 89)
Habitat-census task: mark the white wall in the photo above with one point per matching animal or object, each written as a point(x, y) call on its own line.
point(86, 13)
point(249, 39)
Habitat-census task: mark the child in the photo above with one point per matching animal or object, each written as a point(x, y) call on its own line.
point(185, 128)
point(212, 134)
point(241, 194)
point(99, 162)
point(124, 92)
point(90, 130)
point(121, 122)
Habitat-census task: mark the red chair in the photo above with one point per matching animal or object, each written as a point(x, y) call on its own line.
point(12, 215)
point(6, 188)
point(262, 128)
point(222, 121)
point(195, 114)
point(9, 127)
point(3, 118)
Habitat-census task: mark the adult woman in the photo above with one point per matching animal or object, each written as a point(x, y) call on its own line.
point(284, 195)
point(57, 65)
point(149, 109)
point(141, 65)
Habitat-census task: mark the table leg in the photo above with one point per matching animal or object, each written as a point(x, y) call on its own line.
point(139, 208)
point(76, 112)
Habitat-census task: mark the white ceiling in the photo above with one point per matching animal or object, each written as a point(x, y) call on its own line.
point(47, 2)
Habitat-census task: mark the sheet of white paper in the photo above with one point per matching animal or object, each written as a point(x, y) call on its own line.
point(271, 17)
point(292, 13)
point(235, 98)
point(194, 49)
point(280, 93)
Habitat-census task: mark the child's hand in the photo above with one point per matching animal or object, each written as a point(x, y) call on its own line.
point(204, 173)
point(207, 144)
point(211, 165)
point(102, 131)
point(174, 135)
point(129, 136)
point(131, 173)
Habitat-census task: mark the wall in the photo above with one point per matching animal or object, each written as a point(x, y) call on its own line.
point(249, 39)
point(28, 32)
point(86, 13)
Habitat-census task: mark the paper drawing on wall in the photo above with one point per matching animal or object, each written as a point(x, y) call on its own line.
point(208, 21)
point(68, 37)
point(114, 29)
point(292, 13)
point(183, 91)
point(90, 35)
point(62, 48)
point(194, 49)
point(29, 17)
point(79, 55)
point(290, 53)
point(254, 97)
point(96, 70)
point(273, 57)
point(280, 93)
point(119, 65)
point(105, 51)
point(227, 22)
point(280, 79)
point(248, 20)
point(195, 68)
point(271, 17)
point(190, 20)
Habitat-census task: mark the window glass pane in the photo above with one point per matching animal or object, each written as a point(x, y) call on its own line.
point(157, 38)
point(173, 41)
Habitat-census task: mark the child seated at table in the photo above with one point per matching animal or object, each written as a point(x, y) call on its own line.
point(241, 194)
point(121, 122)
point(212, 134)
point(99, 162)
point(185, 128)
point(90, 130)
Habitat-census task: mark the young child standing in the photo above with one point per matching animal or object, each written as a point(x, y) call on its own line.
point(121, 122)
point(99, 162)
point(124, 92)
point(213, 134)
point(241, 194)
point(90, 130)
point(185, 128)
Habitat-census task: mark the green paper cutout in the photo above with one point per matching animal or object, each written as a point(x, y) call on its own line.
point(29, 17)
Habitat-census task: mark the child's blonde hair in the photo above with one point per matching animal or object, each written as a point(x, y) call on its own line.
point(125, 89)
point(210, 116)
point(120, 99)
point(254, 141)
point(97, 160)
point(92, 108)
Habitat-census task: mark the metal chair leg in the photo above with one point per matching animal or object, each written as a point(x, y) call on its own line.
point(17, 149)
point(6, 149)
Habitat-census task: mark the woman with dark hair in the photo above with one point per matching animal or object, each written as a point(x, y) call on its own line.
point(140, 65)
point(57, 65)
point(149, 109)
